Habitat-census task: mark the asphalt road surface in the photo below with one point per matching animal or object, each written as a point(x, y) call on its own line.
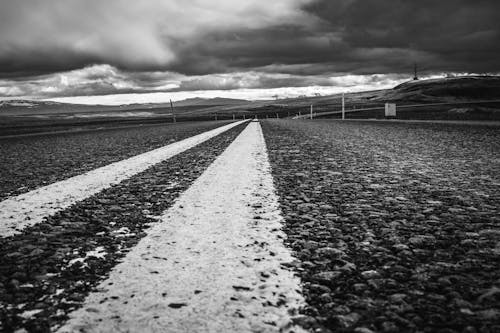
point(277, 226)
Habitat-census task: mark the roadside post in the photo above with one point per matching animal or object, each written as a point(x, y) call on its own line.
point(311, 111)
point(343, 106)
point(172, 108)
point(277, 116)
point(244, 117)
point(233, 117)
point(390, 110)
point(216, 117)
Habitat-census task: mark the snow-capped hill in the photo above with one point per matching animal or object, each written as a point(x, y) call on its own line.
point(18, 103)
point(24, 103)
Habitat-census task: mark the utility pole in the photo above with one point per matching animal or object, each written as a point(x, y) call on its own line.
point(343, 106)
point(172, 108)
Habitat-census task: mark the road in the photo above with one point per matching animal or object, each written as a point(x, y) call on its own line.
point(396, 225)
point(30, 208)
point(299, 225)
point(27, 163)
point(212, 264)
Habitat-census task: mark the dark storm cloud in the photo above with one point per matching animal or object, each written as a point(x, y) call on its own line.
point(368, 36)
point(45, 36)
point(362, 36)
point(295, 51)
point(142, 46)
point(446, 35)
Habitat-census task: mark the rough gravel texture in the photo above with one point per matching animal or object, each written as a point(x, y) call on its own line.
point(48, 270)
point(30, 162)
point(396, 226)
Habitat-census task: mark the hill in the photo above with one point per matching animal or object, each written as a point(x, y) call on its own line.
point(217, 101)
point(447, 89)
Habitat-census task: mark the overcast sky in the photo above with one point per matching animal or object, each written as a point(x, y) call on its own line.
point(119, 48)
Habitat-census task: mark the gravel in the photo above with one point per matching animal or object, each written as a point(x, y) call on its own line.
point(30, 162)
point(47, 271)
point(395, 226)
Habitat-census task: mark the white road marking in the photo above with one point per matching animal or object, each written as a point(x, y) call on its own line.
point(30, 208)
point(212, 263)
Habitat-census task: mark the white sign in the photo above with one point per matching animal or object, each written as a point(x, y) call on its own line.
point(390, 110)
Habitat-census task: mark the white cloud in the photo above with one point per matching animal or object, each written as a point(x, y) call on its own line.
point(91, 80)
point(106, 79)
point(8, 90)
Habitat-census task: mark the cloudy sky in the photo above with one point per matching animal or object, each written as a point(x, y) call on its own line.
point(125, 51)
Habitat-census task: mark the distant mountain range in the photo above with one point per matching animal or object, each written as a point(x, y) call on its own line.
point(21, 103)
point(210, 101)
point(33, 107)
point(434, 90)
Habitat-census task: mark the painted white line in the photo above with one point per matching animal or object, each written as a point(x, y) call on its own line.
point(30, 208)
point(212, 263)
